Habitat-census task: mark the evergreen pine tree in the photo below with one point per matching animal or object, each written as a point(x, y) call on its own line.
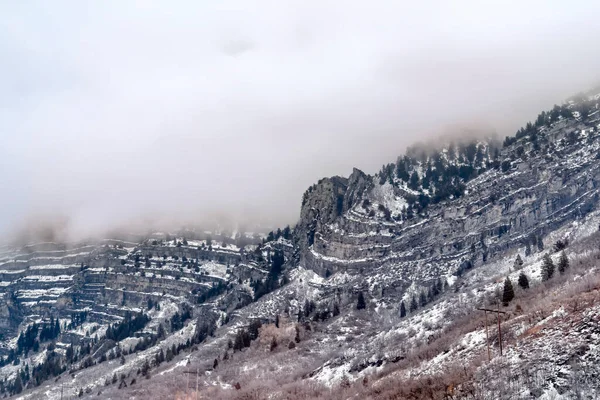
point(540, 243)
point(69, 354)
point(361, 304)
point(56, 327)
point(402, 310)
point(439, 286)
point(518, 262)
point(547, 268)
point(336, 309)
point(563, 262)
point(238, 343)
point(523, 281)
point(18, 385)
point(422, 299)
point(297, 337)
point(307, 308)
point(509, 292)
point(414, 181)
point(413, 304)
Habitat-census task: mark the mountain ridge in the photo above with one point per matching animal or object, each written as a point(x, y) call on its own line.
point(426, 233)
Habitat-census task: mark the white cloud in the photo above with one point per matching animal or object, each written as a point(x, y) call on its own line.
point(112, 110)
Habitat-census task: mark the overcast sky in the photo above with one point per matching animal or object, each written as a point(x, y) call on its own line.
point(115, 110)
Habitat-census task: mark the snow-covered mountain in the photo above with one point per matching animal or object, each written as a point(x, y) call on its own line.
point(374, 293)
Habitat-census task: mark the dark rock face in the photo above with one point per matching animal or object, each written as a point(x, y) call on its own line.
point(358, 184)
point(322, 204)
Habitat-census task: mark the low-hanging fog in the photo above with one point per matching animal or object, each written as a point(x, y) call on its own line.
point(120, 111)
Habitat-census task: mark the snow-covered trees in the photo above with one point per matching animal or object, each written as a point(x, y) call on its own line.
point(547, 267)
point(422, 298)
point(360, 303)
point(540, 243)
point(523, 281)
point(508, 293)
point(336, 309)
point(518, 262)
point(563, 262)
point(413, 304)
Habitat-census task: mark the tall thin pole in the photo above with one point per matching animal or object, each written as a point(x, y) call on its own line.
point(61, 390)
point(487, 337)
point(187, 383)
point(498, 312)
point(197, 372)
point(499, 330)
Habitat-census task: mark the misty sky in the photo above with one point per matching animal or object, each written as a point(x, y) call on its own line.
point(111, 111)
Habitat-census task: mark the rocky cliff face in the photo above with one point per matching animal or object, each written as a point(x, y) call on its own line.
point(106, 281)
point(437, 227)
point(532, 190)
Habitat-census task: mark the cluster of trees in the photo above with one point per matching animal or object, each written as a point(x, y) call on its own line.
point(30, 338)
point(545, 118)
point(548, 270)
point(240, 240)
point(245, 336)
point(77, 318)
point(316, 312)
point(50, 331)
point(286, 233)
point(308, 192)
point(203, 330)
point(434, 290)
point(54, 364)
point(215, 290)
point(144, 343)
point(533, 242)
point(127, 327)
point(178, 320)
point(443, 175)
point(548, 267)
point(50, 367)
point(13, 388)
point(152, 304)
point(271, 282)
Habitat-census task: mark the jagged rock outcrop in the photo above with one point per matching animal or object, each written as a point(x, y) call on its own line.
point(321, 204)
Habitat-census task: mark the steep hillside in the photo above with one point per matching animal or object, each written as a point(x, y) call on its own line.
point(374, 292)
